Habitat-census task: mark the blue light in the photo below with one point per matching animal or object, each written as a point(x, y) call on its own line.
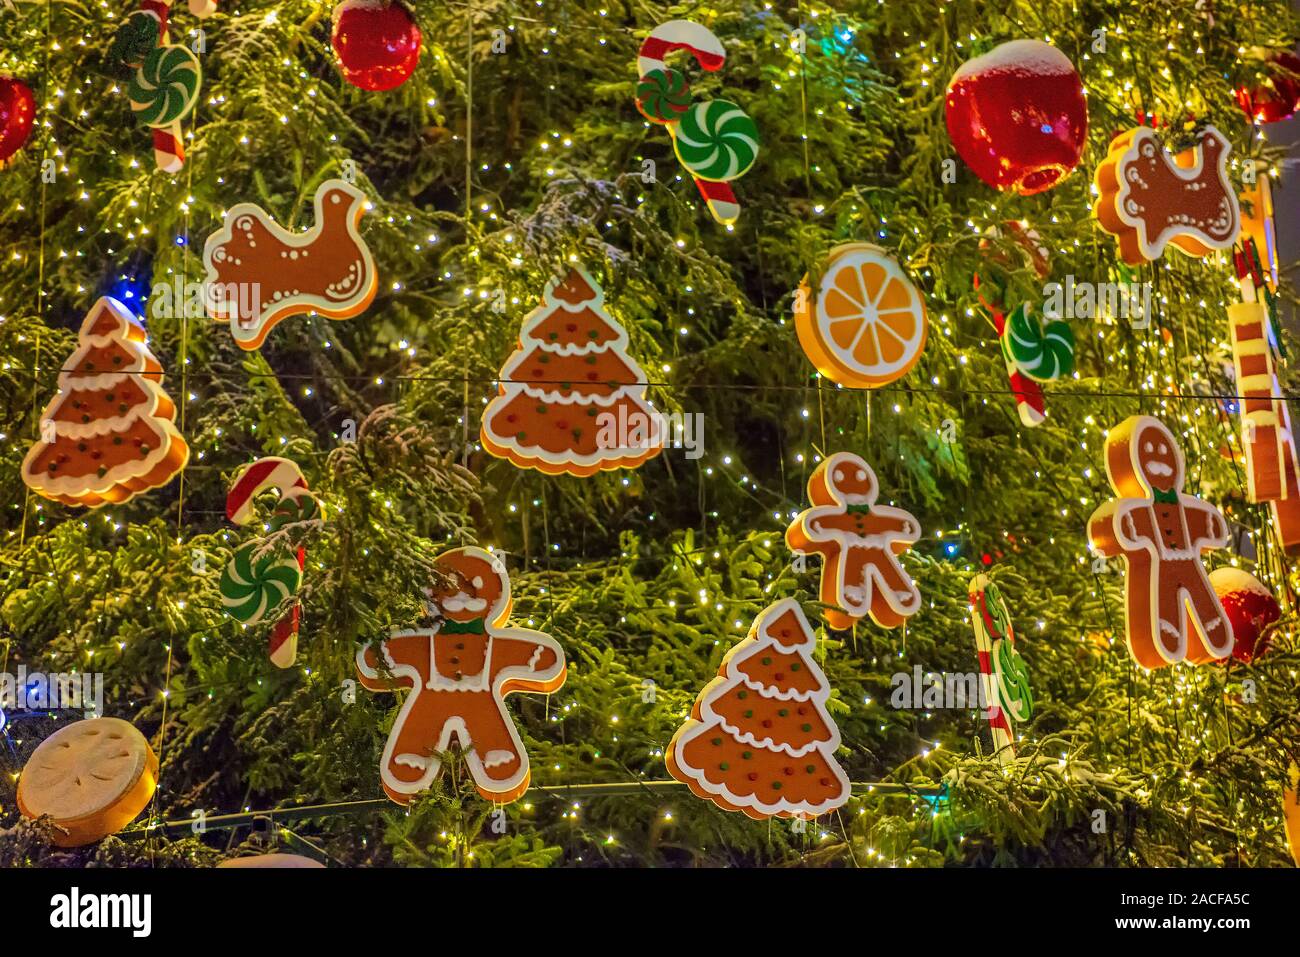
point(180, 240)
point(1046, 128)
point(950, 549)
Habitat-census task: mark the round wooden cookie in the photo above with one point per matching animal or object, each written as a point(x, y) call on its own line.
point(272, 860)
point(92, 777)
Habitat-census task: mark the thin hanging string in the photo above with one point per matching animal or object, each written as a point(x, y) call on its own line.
point(469, 212)
point(40, 272)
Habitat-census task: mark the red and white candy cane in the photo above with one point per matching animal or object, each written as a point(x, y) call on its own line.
point(168, 145)
point(284, 476)
point(999, 723)
point(708, 51)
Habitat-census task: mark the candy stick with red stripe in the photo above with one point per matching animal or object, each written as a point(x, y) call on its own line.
point(1003, 679)
point(283, 475)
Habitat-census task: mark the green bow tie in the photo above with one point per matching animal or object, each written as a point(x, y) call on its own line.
point(450, 627)
point(858, 509)
point(1165, 498)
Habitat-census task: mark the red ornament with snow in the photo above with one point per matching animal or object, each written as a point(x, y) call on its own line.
point(1273, 93)
point(759, 739)
point(1250, 608)
point(572, 400)
point(1017, 116)
point(17, 110)
point(377, 43)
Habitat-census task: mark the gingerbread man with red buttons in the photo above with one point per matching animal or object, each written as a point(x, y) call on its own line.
point(459, 671)
point(1171, 611)
point(859, 542)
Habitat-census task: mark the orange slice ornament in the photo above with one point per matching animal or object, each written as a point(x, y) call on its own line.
point(866, 325)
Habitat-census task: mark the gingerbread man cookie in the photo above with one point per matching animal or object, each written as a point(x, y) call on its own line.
point(109, 433)
point(1171, 611)
point(459, 671)
point(859, 541)
point(259, 273)
point(91, 778)
point(1150, 198)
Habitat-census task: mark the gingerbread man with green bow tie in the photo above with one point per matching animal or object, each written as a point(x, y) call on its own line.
point(859, 542)
point(459, 671)
point(1171, 611)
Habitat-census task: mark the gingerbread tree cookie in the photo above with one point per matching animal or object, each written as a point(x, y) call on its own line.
point(1150, 198)
point(109, 432)
point(1171, 611)
point(759, 739)
point(859, 542)
point(572, 400)
point(459, 672)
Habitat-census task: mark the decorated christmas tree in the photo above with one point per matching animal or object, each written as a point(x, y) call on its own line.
point(760, 739)
point(499, 149)
point(572, 400)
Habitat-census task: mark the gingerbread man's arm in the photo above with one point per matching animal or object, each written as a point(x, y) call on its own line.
point(1205, 524)
point(526, 660)
point(898, 524)
point(1121, 524)
point(407, 661)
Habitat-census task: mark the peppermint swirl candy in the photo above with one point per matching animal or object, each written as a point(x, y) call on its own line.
point(166, 87)
point(1042, 351)
point(995, 612)
point(717, 141)
point(135, 39)
point(299, 507)
point(1012, 677)
point(663, 96)
point(254, 589)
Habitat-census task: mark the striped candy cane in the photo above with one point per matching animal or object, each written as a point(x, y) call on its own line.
point(992, 628)
point(710, 54)
point(284, 476)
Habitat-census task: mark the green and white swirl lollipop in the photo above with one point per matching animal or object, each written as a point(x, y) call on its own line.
point(166, 87)
point(716, 141)
point(254, 588)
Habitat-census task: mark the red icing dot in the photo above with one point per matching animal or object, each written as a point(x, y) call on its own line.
point(537, 373)
point(511, 417)
point(752, 776)
point(767, 722)
point(570, 327)
point(801, 710)
point(787, 771)
point(562, 424)
point(592, 376)
point(779, 676)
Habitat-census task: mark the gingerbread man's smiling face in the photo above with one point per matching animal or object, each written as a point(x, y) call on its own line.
point(850, 480)
point(1155, 453)
point(476, 591)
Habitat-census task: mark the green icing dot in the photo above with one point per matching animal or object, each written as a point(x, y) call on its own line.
point(811, 768)
point(716, 742)
point(806, 727)
point(746, 754)
point(796, 666)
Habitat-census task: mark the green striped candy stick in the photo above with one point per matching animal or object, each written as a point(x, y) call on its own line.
point(166, 87)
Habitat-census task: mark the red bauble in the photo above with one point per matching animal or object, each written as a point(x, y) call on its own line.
point(1017, 116)
point(1276, 94)
point(1250, 607)
point(377, 43)
point(17, 110)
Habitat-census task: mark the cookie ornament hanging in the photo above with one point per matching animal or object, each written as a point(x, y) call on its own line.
point(377, 43)
point(1171, 611)
point(1017, 116)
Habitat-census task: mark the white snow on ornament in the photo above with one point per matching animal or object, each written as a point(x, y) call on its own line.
point(1231, 579)
point(1018, 56)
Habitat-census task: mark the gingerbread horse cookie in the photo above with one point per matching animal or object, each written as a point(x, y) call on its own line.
point(259, 273)
point(1171, 611)
point(860, 542)
point(459, 671)
point(1150, 198)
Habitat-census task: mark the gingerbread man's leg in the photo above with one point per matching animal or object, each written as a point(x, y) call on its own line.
point(897, 596)
point(1142, 617)
point(1213, 639)
point(410, 757)
point(499, 763)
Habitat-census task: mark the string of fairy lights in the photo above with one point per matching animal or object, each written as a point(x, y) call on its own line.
point(1160, 386)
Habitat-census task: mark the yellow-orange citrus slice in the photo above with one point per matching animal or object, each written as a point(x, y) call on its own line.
point(866, 325)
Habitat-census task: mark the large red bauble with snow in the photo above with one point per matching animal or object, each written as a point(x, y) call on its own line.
point(377, 43)
point(1017, 116)
point(1274, 93)
point(17, 110)
point(1250, 607)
